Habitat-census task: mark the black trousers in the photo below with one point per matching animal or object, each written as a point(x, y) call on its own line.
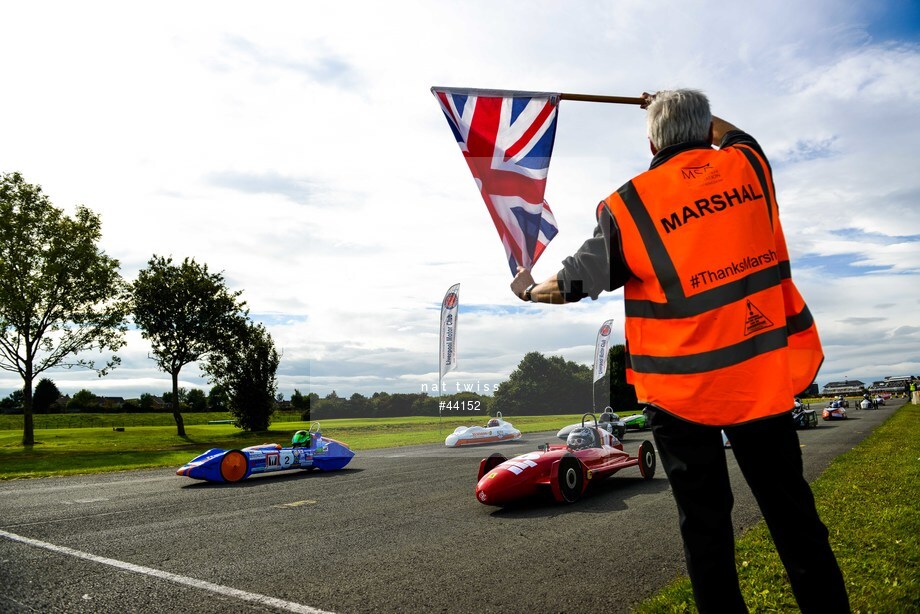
point(770, 459)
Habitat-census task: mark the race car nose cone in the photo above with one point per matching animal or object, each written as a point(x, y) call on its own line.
point(500, 486)
point(486, 490)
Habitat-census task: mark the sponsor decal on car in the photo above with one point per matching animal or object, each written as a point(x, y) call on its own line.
point(519, 464)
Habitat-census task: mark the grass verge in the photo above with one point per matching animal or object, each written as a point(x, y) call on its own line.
point(68, 451)
point(869, 499)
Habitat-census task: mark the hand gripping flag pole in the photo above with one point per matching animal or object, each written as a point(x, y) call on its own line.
point(507, 139)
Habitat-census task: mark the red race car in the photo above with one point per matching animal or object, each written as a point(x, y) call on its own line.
point(564, 470)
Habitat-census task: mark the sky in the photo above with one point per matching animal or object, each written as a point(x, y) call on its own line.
point(296, 147)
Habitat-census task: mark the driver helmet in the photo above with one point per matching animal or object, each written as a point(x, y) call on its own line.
point(608, 416)
point(492, 422)
point(301, 439)
point(582, 437)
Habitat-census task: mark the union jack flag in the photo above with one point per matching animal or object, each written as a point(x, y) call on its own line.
point(507, 141)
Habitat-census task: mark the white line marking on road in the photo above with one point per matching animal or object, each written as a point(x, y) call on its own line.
point(226, 591)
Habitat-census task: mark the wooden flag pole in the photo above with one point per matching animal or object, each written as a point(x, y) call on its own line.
point(593, 98)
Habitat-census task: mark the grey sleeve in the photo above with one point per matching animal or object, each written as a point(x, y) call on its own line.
point(597, 266)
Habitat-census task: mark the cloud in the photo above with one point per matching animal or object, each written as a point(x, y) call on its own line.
point(861, 321)
point(296, 189)
point(805, 150)
point(326, 69)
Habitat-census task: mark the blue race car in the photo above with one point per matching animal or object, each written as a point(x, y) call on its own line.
point(309, 450)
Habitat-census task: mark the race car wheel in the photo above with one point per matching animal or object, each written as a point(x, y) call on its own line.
point(233, 466)
point(647, 460)
point(490, 463)
point(571, 478)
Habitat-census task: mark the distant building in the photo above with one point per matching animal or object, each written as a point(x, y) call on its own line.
point(894, 384)
point(846, 387)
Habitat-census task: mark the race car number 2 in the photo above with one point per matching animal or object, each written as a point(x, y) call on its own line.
point(518, 464)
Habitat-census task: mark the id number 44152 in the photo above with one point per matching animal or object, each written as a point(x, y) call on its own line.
point(461, 405)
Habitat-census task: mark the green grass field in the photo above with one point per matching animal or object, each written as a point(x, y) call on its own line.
point(99, 420)
point(67, 451)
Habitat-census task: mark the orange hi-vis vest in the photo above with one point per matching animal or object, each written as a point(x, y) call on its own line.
point(716, 332)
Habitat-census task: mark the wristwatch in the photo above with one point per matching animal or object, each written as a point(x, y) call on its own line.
point(527, 293)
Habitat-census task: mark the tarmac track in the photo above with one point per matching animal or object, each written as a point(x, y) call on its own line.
point(399, 530)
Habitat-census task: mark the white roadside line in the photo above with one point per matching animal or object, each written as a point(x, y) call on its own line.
point(165, 575)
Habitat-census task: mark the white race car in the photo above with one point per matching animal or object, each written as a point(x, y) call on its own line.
point(495, 430)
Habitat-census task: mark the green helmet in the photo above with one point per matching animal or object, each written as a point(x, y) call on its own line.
point(301, 438)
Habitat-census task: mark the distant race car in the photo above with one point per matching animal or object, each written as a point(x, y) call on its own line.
point(843, 401)
point(879, 400)
point(637, 422)
point(608, 421)
point(867, 403)
point(309, 450)
point(495, 430)
point(834, 411)
point(804, 418)
point(564, 471)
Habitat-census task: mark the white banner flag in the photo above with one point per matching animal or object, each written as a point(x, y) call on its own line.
point(601, 350)
point(450, 308)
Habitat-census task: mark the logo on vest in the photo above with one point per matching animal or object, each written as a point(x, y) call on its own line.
point(695, 172)
point(755, 320)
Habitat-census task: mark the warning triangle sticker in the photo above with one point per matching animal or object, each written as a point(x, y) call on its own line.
point(755, 320)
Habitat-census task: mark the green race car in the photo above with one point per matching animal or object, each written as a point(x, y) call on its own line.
point(636, 422)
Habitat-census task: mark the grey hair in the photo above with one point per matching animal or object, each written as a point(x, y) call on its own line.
point(678, 116)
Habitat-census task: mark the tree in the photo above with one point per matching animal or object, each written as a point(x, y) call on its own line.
point(168, 397)
point(60, 295)
point(542, 385)
point(301, 403)
point(46, 393)
point(14, 401)
point(186, 313)
point(84, 399)
point(147, 401)
point(218, 399)
point(247, 369)
point(196, 400)
point(622, 394)
point(298, 401)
